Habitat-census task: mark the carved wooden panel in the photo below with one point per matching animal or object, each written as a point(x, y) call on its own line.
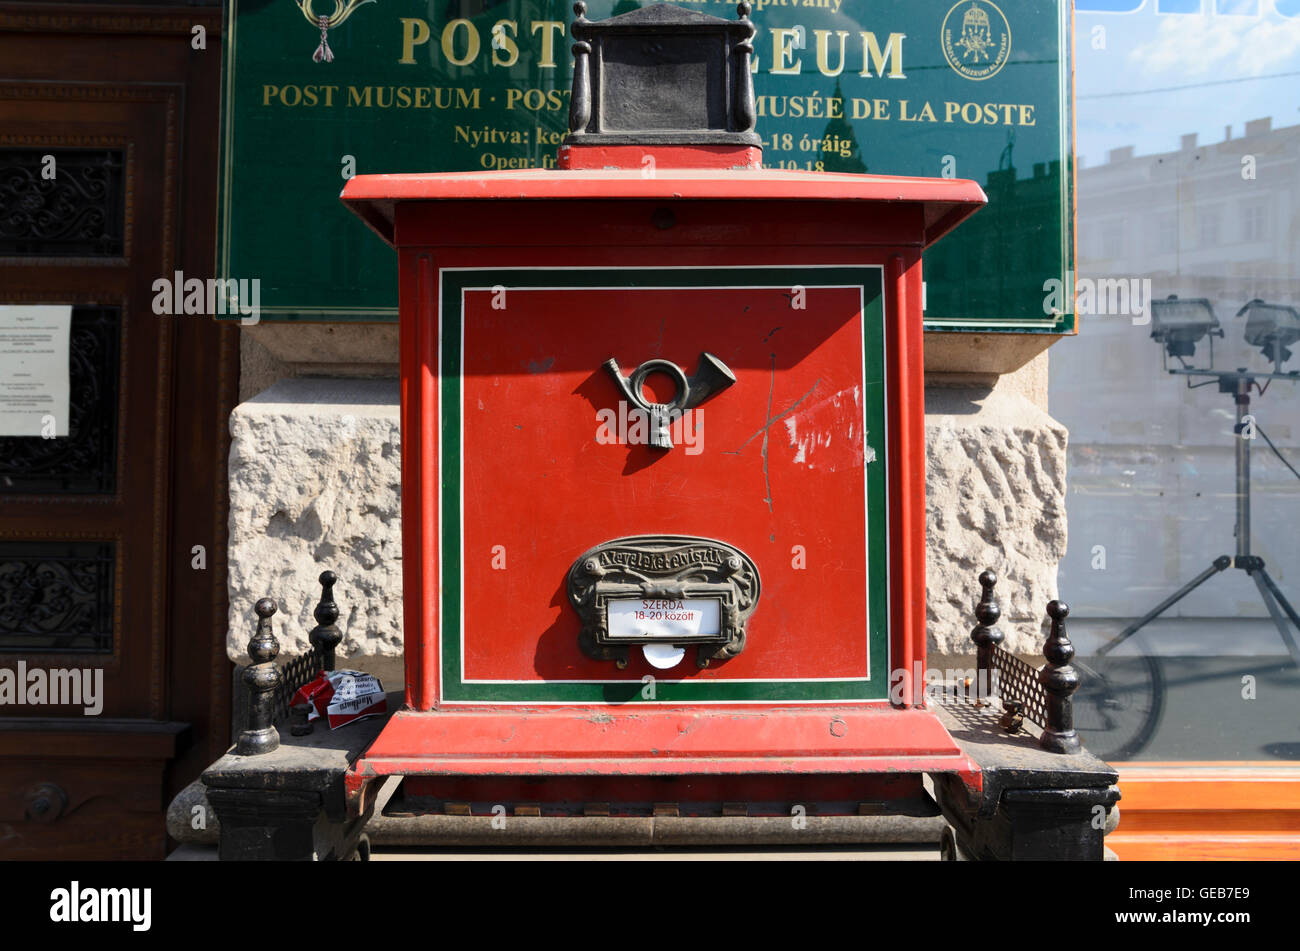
point(56, 596)
point(124, 505)
point(61, 202)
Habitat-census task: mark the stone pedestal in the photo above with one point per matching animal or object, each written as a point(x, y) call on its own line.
point(1035, 805)
point(288, 805)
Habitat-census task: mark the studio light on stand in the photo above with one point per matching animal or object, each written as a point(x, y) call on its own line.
point(1271, 328)
point(1180, 324)
point(1125, 695)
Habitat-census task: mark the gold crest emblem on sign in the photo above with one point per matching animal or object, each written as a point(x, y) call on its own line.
point(975, 35)
point(342, 10)
point(976, 38)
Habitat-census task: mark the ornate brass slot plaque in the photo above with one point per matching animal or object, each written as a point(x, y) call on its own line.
point(663, 590)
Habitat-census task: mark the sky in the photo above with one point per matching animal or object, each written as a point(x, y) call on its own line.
point(1234, 61)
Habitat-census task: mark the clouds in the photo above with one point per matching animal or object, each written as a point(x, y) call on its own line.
point(1201, 46)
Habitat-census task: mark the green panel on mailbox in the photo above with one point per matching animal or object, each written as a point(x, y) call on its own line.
point(812, 478)
point(976, 90)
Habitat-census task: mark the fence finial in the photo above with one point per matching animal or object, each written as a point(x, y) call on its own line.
point(325, 636)
point(1059, 681)
point(262, 678)
point(986, 636)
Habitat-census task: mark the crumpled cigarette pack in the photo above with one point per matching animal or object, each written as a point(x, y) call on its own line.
point(341, 696)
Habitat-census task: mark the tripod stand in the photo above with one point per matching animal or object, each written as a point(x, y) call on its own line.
point(1238, 383)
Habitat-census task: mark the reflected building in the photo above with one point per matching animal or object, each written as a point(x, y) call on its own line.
point(1006, 252)
point(1218, 220)
point(1151, 495)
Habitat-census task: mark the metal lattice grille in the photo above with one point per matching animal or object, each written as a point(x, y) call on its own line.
point(60, 202)
point(56, 597)
point(294, 675)
point(1016, 680)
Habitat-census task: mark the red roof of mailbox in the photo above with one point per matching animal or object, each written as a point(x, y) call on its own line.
point(947, 201)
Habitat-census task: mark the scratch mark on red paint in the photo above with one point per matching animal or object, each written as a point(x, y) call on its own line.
point(767, 475)
point(768, 424)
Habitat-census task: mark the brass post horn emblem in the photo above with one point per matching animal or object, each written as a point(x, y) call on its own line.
point(712, 377)
point(342, 10)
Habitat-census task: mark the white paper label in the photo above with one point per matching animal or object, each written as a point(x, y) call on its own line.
point(661, 655)
point(34, 369)
point(664, 620)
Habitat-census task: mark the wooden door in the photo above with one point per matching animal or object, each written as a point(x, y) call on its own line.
point(112, 538)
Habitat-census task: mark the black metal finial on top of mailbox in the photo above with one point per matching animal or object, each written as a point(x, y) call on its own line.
point(1059, 681)
point(262, 678)
point(662, 75)
point(986, 636)
point(325, 636)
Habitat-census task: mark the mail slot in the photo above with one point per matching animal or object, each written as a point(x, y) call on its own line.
point(663, 592)
point(662, 445)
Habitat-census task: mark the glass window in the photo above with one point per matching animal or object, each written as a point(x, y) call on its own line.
point(1166, 233)
point(1254, 222)
point(1183, 567)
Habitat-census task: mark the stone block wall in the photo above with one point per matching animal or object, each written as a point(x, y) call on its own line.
point(315, 484)
point(995, 498)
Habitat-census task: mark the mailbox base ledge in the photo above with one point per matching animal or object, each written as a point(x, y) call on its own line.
point(591, 742)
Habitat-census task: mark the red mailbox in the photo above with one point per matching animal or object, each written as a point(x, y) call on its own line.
point(662, 459)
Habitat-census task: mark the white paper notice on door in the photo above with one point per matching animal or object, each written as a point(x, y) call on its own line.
point(34, 369)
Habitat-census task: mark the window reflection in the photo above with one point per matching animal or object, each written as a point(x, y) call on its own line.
point(1189, 178)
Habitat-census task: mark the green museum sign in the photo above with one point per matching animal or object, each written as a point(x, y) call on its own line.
point(319, 90)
